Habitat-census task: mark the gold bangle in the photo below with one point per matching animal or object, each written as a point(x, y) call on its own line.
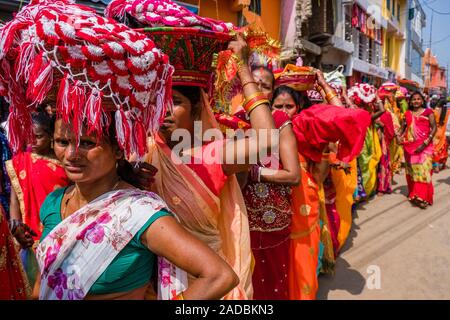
point(179, 297)
point(248, 82)
point(252, 96)
point(257, 104)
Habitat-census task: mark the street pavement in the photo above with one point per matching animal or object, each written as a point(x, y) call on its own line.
point(395, 251)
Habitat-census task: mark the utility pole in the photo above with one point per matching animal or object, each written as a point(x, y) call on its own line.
point(429, 57)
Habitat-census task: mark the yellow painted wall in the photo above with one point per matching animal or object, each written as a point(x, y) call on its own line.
point(393, 52)
point(222, 9)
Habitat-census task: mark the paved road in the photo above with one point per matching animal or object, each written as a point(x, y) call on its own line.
point(396, 251)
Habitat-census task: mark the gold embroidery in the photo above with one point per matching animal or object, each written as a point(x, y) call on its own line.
point(22, 174)
point(296, 235)
point(306, 289)
point(16, 186)
point(3, 258)
point(176, 201)
point(51, 166)
point(305, 210)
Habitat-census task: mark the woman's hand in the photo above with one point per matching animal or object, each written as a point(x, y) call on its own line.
point(24, 235)
point(240, 48)
point(145, 173)
point(421, 148)
point(320, 78)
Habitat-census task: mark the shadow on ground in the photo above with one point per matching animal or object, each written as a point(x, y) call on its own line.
point(349, 280)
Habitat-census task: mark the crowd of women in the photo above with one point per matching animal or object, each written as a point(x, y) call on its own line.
point(102, 207)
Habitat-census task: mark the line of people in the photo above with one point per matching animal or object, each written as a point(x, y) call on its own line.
point(215, 228)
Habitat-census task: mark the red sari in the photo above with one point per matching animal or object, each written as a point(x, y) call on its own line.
point(13, 282)
point(269, 215)
point(33, 177)
point(419, 165)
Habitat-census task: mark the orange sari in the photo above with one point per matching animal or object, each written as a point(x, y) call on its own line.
point(305, 237)
point(33, 177)
point(440, 146)
point(13, 281)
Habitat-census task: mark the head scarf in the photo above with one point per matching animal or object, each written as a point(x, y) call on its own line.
point(362, 92)
point(59, 52)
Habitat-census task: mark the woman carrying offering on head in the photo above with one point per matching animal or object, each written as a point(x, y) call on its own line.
point(102, 236)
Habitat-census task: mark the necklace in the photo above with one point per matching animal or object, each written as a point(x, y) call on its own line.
point(66, 203)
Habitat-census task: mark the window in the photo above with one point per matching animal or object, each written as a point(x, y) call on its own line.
point(191, 7)
point(416, 62)
point(255, 6)
point(388, 4)
point(398, 12)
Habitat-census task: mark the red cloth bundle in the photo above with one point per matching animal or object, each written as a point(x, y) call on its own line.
point(321, 124)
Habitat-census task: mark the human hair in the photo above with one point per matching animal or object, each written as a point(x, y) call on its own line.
point(443, 104)
point(267, 69)
point(285, 89)
point(193, 94)
point(124, 168)
point(46, 122)
point(412, 96)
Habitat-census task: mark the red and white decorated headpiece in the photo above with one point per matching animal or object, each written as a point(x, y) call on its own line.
point(59, 52)
point(162, 13)
point(362, 92)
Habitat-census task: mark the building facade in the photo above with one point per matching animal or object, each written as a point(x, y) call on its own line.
point(394, 48)
point(435, 75)
point(415, 25)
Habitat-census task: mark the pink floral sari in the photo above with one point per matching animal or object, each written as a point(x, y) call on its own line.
point(419, 165)
point(81, 247)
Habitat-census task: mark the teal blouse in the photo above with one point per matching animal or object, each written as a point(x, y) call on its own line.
point(132, 268)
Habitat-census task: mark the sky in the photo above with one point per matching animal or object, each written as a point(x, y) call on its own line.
point(440, 36)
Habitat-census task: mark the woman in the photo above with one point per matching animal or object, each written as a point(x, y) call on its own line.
point(33, 176)
point(102, 235)
point(365, 97)
point(440, 145)
point(206, 196)
point(268, 200)
point(418, 131)
point(100, 182)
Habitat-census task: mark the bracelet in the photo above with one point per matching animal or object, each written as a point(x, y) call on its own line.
point(251, 102)
point(248, 82)
point(179, 297)
point(253, 96)
point(330, 95)
point(14, 224)
point(257, 104)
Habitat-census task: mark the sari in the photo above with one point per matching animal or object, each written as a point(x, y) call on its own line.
point(345, 185)
point(440, 145)
point(368, 160)
point(386, 135)
point(334, 220)
point(419, 165)
point(5, 184)
point(269, 214)
point(33, 177)
point(305, 236)
point(13, 281)
point(78, 250)
point(220, 220)
point(216, 217)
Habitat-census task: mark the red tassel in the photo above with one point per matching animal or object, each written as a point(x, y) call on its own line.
point(140, 138)
point(94, 114)
point(62, 100)
point(77, 99)
point(122, 130)
point(40, 81)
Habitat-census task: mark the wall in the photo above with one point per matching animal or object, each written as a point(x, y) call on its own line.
point(222, 9)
